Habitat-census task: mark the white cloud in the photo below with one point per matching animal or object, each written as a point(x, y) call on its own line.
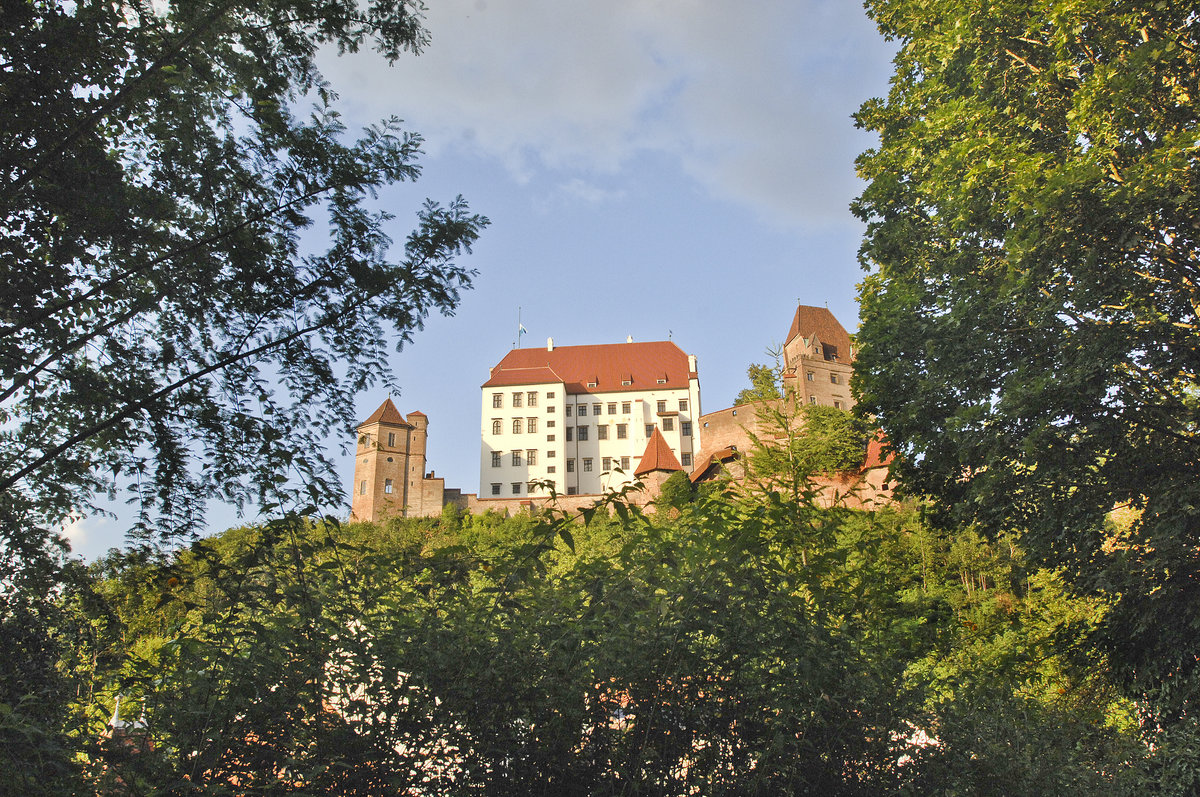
point(752, 100)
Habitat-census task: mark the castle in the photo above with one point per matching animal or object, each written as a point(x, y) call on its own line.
point(579, 421)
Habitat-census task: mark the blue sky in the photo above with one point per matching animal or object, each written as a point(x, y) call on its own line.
point(651, 168)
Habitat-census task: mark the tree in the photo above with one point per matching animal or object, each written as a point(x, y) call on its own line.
point(764, 385)
point(166, 322)
point(1029, 322)
point(163, 319)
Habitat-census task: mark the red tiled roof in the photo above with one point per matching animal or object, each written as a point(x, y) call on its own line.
point(709, 459)
point(388, 414)
point(875, 456)
point(605, 366)
point(658, 456)
point(818, 321)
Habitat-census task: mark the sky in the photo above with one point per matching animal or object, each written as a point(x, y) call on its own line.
point(661, 169)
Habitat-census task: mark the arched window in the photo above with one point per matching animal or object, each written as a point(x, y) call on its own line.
point(497, 426)
point(516, 425)
point(387, 486)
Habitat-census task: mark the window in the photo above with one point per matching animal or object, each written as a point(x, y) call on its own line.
point(551, 454)
point(531, 425)
point(567, 410)
point(596, 409)
point(685, 428)
point(497, 399)
point(516, 457)
point(495, 488)
point(686, 460)
point(833, 378)
point(837, 405)
point(550, 439)
point(531, 398)
point(550, 394)
point(497, 426)
point(812, 399)
point(625, 405)
point(550, 410)
point(593, 383)
point(516, 487)
point(581, 410)
point(531, 456)
point(516, 425)
point(362, 487)
point(550, 424)
point(387, 486)
point(626, 382)
point(390, 459)
point(391, 438)
point(683, 405)
point(668, 424)
point(581, 433)
point(570, 466)
point(622, 431)
point(612, 408)
point(606, 463)
point(809, 376)
point(624, 463)
point(587, 464)
point(571, 491)
point(570, 433)
point(517, 399)
point(550, 468)
point(495, 459)
point(649, 430)
point(602, 432)
point(661, 405)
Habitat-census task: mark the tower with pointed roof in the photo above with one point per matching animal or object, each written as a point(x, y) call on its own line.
point(818, 359)
point(389, 466)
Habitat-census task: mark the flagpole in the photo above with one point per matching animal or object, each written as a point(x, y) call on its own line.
point(520, 328)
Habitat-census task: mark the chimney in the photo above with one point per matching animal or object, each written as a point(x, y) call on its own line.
point(549, 344)
point(629, 338)
point(692, 363)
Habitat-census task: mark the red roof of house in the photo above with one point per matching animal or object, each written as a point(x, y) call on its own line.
point(709, 458)
point(387, 414)
point(818, 321)
point(658, 456)
point(875, 456)
point(602, 368)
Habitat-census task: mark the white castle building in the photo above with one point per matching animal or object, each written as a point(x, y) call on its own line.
point(581, 417)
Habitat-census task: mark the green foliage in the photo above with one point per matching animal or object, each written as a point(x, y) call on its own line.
point(805, 441)
point(748, 645)
point(676, 492)
point(764, 385)
point(164, 328)
point(163, 325)
point(1029, 322)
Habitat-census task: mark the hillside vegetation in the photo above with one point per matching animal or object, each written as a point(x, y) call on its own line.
point(724, 645)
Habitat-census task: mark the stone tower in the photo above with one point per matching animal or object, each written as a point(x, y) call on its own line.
point(389, 465)
point(818, 359)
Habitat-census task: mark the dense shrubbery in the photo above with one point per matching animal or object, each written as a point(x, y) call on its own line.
point(755, 644)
